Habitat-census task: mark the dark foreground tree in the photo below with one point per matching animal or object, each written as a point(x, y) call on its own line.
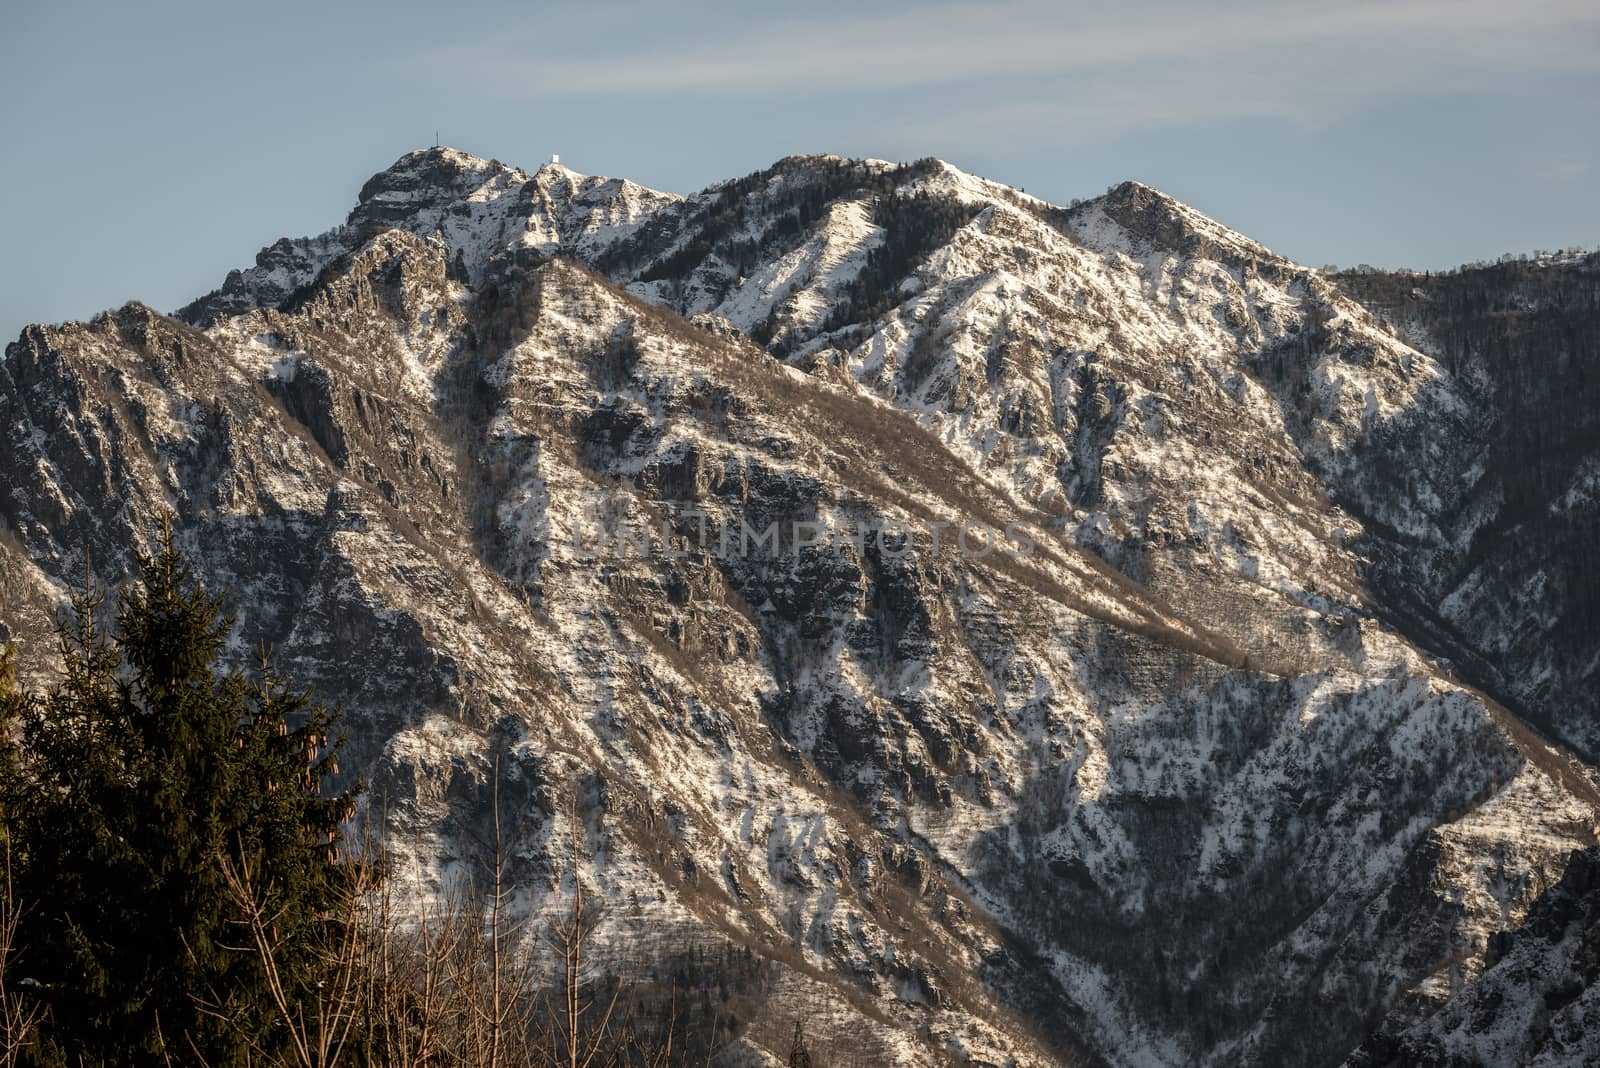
point(144, 777)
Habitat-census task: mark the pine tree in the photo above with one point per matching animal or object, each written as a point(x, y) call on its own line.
point(145, 771)
point(799, 1055)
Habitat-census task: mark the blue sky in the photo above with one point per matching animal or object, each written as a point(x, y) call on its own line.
point(149, 148)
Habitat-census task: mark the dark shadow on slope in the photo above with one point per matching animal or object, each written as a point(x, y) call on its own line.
point(1536, 1000)
point(1263, 948)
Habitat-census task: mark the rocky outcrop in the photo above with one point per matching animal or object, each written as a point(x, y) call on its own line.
point(1537, 1002)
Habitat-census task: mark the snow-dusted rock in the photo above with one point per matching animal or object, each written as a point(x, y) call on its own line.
point(962, 601)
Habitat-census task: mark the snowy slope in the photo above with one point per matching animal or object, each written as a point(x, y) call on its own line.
point(1172, 787)
point(1537, 1004)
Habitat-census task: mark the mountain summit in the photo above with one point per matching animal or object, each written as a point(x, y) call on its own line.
point(1038, 634)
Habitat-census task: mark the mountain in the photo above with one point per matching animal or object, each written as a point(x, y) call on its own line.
point(1497, 575)
point(1536, 1002)
point(1043, 635)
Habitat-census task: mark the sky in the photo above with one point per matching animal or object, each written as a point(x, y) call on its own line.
point(149, 148)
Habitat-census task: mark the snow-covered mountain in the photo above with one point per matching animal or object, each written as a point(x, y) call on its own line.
point(1537, 1002)
point(1025, 626)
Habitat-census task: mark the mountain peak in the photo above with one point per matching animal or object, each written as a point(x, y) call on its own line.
point(1149, 216)
point(554, 167)
point(425, 171)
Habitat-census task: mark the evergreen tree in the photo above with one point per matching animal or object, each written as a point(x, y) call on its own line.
point(799, 1055)
point(141, 775)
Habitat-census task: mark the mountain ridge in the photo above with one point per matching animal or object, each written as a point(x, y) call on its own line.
point(1171, 789)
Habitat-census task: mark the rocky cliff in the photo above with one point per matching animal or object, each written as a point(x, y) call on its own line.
point(1037, 631)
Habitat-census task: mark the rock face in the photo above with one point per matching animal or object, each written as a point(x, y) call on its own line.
point(1005, 619)
point(1538, 1002)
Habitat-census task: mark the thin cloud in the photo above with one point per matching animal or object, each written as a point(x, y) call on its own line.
point(1561, 171)
point(1420, 43)
point(1312, 88)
